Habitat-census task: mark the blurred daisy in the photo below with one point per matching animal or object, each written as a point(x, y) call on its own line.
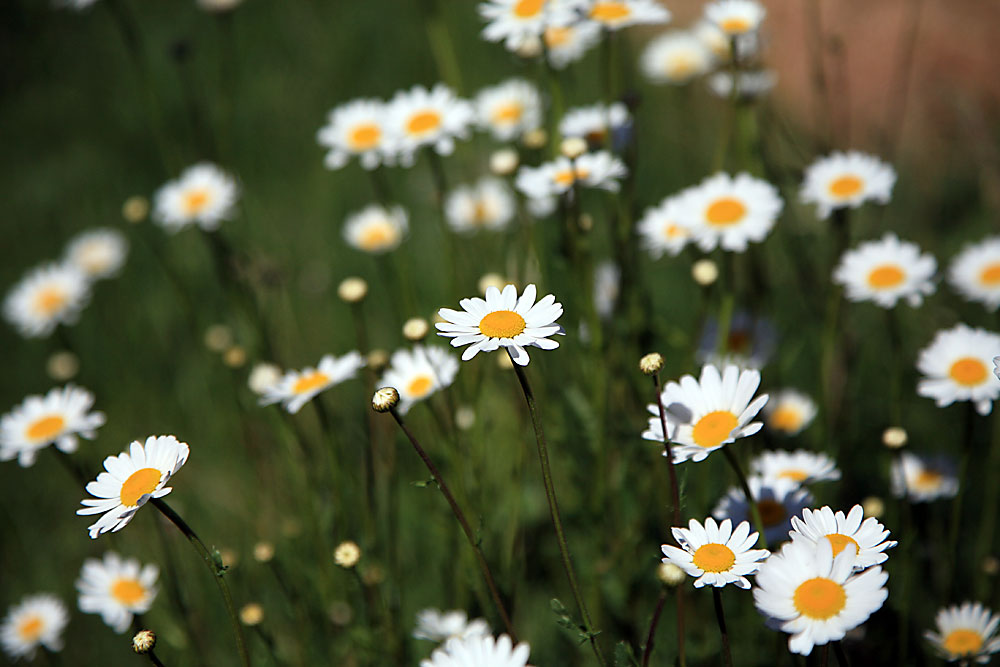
point(675, 57)
point(518, 23)
point(565, 44)
point(749, 343)
point(800, 466)
point(357, 129)
point(509, 109)
point(98, 253)
point(489, 204)
point(749, 85)
point(867, 539)
point(956, 367)
point(886, 271)
point(58, 418)
point(789, 412)
point(593, 170)
point(923, 479)
point(715, 553)
point(965, 632)
point(660, 231)
point(297, 388)
point(420, 117)
point(376, 229)
point(595, 123)
point(607, 287)
point(735, 17)
point(617, 14)
point(975, 272)
point(817, 597)
point(846, 179)
point(709, 34)
point(441, 626)
point(116, 589)
point(479, 650)
point(48, 296)
point(503, 320)
point(418, 374)
point(778, 500)
point(203, 195)
point(38, 620)
point(996, 367)
point(729, 211)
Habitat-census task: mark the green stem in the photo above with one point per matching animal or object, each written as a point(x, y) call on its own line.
point(675, 497)
point(720, 616)
point(751, 501)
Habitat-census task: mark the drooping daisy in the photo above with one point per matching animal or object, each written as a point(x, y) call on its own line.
point(436, 117)
point(518, 23)
point(715, 553)
point(956, 367)
point(565, 44)
point(675, 57)
point(38, 620)
point(595, 123)
point(503, 320)
point(418, 374)
point(618, 14)
point(789, 412)
point(816, 596)
point(660, 230)
point(799, 466)
point(489, 204)
point(48, 296)
point(203, 195)
point(846, 179)
point(965, 632)
point(59, 418)
point(599, 170)
point(886, 271)
point(441, 626)
point(749, 84)
point(729, 211)
point(866, 538)
point(923, 479)
point(116, 588)
point(99, 253)
point(357, 129)
point(132, 478)
point(720, 406)
point(376, 229)
point(735, 17)
point(481, 651)
point(297, 388)
point(509, 109)
point(777, 500)
point(975, 272)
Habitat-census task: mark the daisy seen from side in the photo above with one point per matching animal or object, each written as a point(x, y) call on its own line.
point(441, 626)
point(98, 253)
point(116, 588)
point(777, 500)
point(357, 129)
point(509, 109)
point(418, 374)
point(675, 57)
point(618, 14)
point(789, 412)
point(436, 118)
point(956, 367)
point(376, 229)
point(848, 179)
point(851, 531)
point(800, 466)
point(203, 195)
point(296, 388)
point(975, 272)
point(595, 123)
point(965, 632)
point(488, 204)
point(46, 297)
point(481, 651)
point(660, 231)
point(717, 554)
point(923, 479)
point(735, 17)
point(566, 44)
point(518, 23)
point(729, 212)
point(59, 418)
point(37, 620)
point(599, 170)
point(886, 271)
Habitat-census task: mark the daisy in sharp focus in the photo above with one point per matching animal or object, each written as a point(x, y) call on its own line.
point(418, 374)
point(618, 14)
point(479, 651)
point(886, 271)
point(956, 367)
point(595, 123)
point(846, 179)
point(922, 478)
point(296, 388)
point(376, 229)
point(489, 204)
point(116, 588)
point(509, 109)
point(518, 23)
point(965, 632)
point(38, 620)
point(728, 211)
point(867, 537)
point(420, 117)
point(735, 17)
point(789, 412)
point(715, 553)
point(675, 57)
point(975, 272)
point(777, 500)
point(46, 297)
point(203, 195)
point(660, 231)
point(99, 253)
point(799, 466)
point(593, 170)
point(60, 418)
point(441, 626)
point(503, 320)
point(565, 44)
point(357, 129)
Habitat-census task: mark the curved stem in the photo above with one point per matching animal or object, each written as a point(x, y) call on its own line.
point(751, 501)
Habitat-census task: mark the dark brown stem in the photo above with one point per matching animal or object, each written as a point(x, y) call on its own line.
point(720, 615)
point(648, 650)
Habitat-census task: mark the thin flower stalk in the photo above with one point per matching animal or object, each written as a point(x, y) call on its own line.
point(751, 501)
point(720, 616)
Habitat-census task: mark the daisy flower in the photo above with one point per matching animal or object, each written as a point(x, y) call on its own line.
point(509, 109)
point(800, 466)
point(503, 320)
point(715, 553)
point(789, 412)
point(481, 651)
point(660, 230)
point(595, 123)
point(132, 478)
point(749, 85)
point(441, 626)
point(720, 406)
point(965, 632)
point(203, 195)
point(816, 596)
point(48, 296)
point(975, 272)
point(729, 211)
point(418, 374)
point(376, 229)
point(846, 179)
point(489, 204)
point(735, 17)
point(618, 14)
point(420, 117)
point(996, 367)
point(593, 170)
point(565, 44)
point(519, 23)
point(59, 418)
point(777, 500)
point(98, 253)
point(607, 287)
point(36, 620)
point(116, 589)
point(886, 271)
point(956, 367)
point(357, 129)
point(675, 57)
point(866, 538)
point(923, 479)
point(716, 41)
point(297, 388)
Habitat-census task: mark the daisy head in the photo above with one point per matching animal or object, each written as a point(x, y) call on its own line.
point(38, 620)
point(296, 388)
point(715, 553)
point(675, 57)
point(777, 500)
point(886, 271)
point(965, 632)
point(521, 23)
point(729, 212)
point(48, 296)
point(923, 478)
point(98, 253)
point(735, 17)
point(618, 14)
point(440, 626)
point(203, 195)
point(799, 466)
point(116, 588)
point(59, 418)
point(489, 204)
point(596, 123)
point(660, 230)
point(599, 170)
point(866, 538)
point(565, 44)
point(131, 479)
point(847, 179)
point(357, 129)
point(789, 412)
point(418, 374)
point(376, 229)
point(975, 272)
point(509, 109)
point(420, 117)
point(956, 367)
point(503, 319)
point(477, 650)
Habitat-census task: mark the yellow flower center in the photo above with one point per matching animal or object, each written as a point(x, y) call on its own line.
point(377, 236)
point(94, 258)
point(820, 598)
point(846, 186)
point(139, 484)
point(525, 9)
point(681, 66)
point(128, 591)
point(714, 558)
point(507, 114)
point(674, 231)
point(480, 212)
point(45, 428)
point(772, 513)
point(785, 418)
point(30, 628)
point(927, 480)
point(886, 276)
point(569, 176)
point(195, 201)
point(306, 383)
point(962, 641)
point(735, 25)
point(725, 211)
point(50, 300)
point(838, 541)
point(608, 12)
point(424, 122)
point(990, 277)
point(794, 474)
point(420, 386)
point(502, 324)
point(364, 136)
point(713, 428)
point(557, 36)
point(968, 371)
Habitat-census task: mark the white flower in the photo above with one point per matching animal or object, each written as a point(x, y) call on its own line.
point(965, 632)
point(618, 14)
point(509, 109)
point(297, 388)
point(800, 466)
point(565, 44)
point(520, 23)
point(357, 129)
point(956, 367)
point(866, 538)
point(489, 204)
point(715, 553)
point(847, 179)
point(594, 170)
point(99, 253)
point(749, 85)
point(660, 230)
point(728, 211)
point(203, 195)
point(607, 287)
point(263, 376)
point(886, 271)
point(418, 374)
point(441, 626)
point(420, 117)
point(923, 479)
point(975, 272)
point(479, 651)
point(789, 412)
point(777, 500)
point(718, 42)
point(735, 17)
point(37, 620)
point(503, 320)
point(48, 296)
point(675, 57)
point(57, 418)
point(595, 123)
point(376, 229)
point(132, 478)
point(76, 5)
point(116, 589)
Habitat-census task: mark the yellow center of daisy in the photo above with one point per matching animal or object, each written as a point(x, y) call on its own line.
point(364, 136)
point(609, 11)
point(927, 480)
point(480, 212)
point(569, 176)
point(794, 474)
point(838, 541)
point(30, 628)
point(128, 591)
point(424, 122)
point(525, 9)
point(49, 300)
point(962, 641)
point(735, 25)
point(507, 114)
point(94, 258)
point(968, 371)
point(772, 513)
point(681, 66)
point(45, 428)
point(502, 324)
point(713, 428)
point(139, 484)
point(195, 201)
point(785, 418)
point(714, 558)
point(314, 380)
point(377, 236)
point(725, 211)
point(673, 231)
point(846, 186)
point(886, 276)
point(820, 598)
point(990, 277)
point(420, 386)
point(557, 36)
